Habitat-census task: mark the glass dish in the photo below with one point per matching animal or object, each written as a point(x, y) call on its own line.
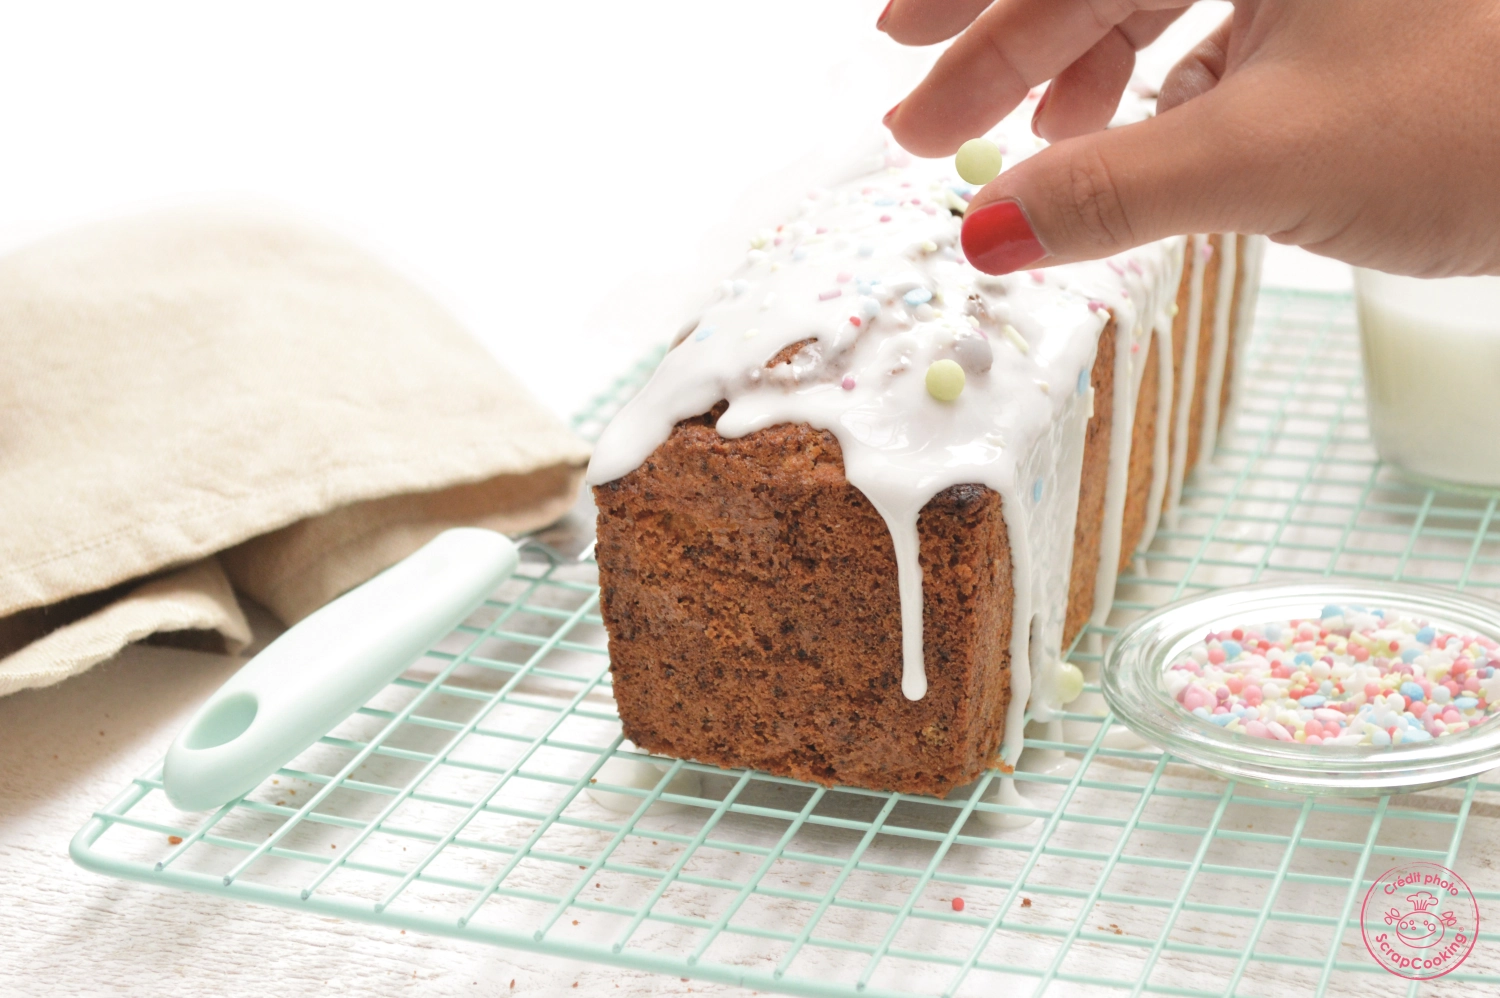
point(1135, 664)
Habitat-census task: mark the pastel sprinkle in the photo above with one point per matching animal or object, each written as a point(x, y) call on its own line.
point(1352, 676)
point(885, 218)
point(1095, 306)
point(945, 380)
point(1038, 276)
point(978, 161)
point(844, 277)
point(917, 296)
point(1036, 491)
point(829, 295)
point(958, 904)
point(1083, 381)
point(866, 249)
point(703, 333)
point(848, 383)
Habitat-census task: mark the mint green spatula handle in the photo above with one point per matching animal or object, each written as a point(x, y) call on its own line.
point(327, 665)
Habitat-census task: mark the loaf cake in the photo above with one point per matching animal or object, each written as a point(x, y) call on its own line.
point(812, 565)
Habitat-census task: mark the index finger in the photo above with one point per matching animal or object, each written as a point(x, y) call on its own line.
point(1010, 48)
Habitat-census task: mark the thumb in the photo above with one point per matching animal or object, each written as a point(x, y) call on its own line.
point(1200, 167)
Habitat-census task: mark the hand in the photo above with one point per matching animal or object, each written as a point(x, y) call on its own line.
point(1366, 130)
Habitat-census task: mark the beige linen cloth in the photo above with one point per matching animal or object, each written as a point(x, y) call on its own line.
point(198, 401)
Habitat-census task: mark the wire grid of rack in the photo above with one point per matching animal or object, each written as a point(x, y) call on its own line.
point(461, 799)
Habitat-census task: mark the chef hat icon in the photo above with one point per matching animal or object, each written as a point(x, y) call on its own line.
point(1421, 901)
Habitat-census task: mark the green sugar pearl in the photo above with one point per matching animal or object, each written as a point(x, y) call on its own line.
point(1069, 682)
point(945, 380)
point(978, 161)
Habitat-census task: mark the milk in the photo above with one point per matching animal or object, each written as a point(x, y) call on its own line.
point(1432, 368)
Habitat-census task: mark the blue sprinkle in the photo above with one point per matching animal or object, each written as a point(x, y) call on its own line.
point(1036, 491)
point(962, 191)
point(866, 249)
point(1203, 713)
point(1466, 703)
point(799, 254)
point(1332, 610)
point(917, 296)
point(1272, 632)
point(1222, 720)
point(885, 201)
point(703, 333)
point(1425, 635)
point(1409, 654)
point(1312, 701)
point(1414, 691)
point(1416, 734)
point(1379, 613)
point(1232, 650)
point(1083, 381)
point(1303, 658)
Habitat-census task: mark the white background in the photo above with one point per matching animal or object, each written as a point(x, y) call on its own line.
point(569, 178)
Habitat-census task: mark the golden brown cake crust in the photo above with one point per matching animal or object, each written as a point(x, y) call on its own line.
point(1234, 313)
point(1088, 529)
point(1142, 457)
point(1205, 334)
point(1179, 344)
point(751, 601)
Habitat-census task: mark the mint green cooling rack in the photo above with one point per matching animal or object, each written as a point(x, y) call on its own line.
point(455, 801)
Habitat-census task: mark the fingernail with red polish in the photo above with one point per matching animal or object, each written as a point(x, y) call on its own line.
point(880, 21)
point(890, 114)
point(998, 239)
point(1037, 114)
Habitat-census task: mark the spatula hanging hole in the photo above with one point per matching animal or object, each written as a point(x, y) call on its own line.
point(224, 722)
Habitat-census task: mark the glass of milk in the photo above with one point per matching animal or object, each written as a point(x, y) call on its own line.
point(1432, 369)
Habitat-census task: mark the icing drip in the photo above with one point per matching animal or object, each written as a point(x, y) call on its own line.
point(870, 287)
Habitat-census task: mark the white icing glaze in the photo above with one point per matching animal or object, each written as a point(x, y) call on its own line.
point(1005, 793)
point(1161, 456)
point(1252, 253)
point(1223, 315)
point(872, 272)
point(642, 774)
point(1198, 253)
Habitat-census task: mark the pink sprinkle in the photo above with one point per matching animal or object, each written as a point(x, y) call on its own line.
point(906, 183)
point(1216, 655)
point(855, 322)
point(958, 904)
point(1206, 250)
point(1095, 306)
point(844, 277)
point(929, 209)
point(967, 195)
point(1135, 267)
point(916, 200)
point(829, 295)
point(848, 383)
point(885, 218)
point(1037, 275)
point(1115, 267)
point(820, 230)
point(1001, 146)
point(866, 190)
